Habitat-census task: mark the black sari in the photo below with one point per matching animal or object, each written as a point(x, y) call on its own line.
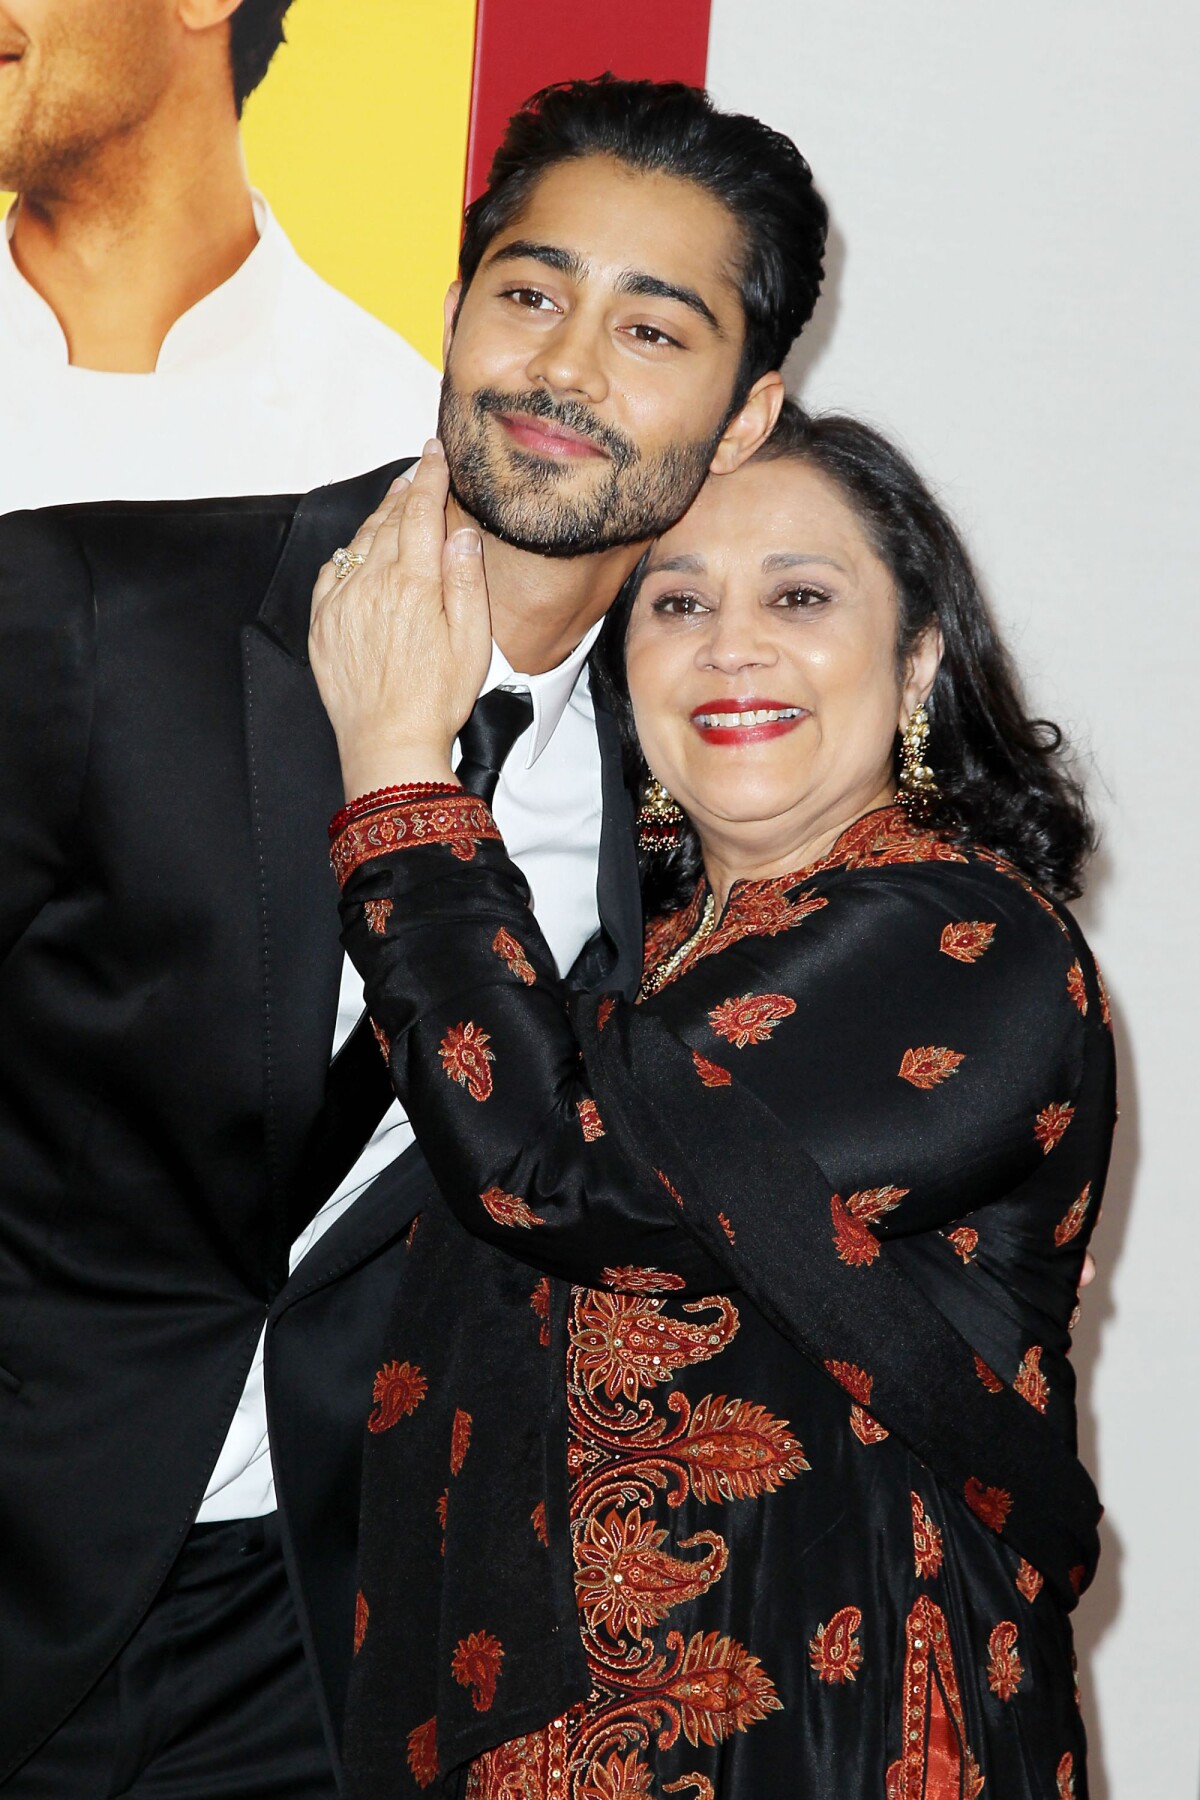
point(804, 1516)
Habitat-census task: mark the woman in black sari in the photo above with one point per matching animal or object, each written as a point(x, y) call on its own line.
point(724, 1443)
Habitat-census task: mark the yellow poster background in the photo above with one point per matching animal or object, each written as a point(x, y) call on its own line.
point(358, 138)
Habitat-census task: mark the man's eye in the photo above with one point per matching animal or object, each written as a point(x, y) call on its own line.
point(531, 298)
point(652, 334)
point(679, 606)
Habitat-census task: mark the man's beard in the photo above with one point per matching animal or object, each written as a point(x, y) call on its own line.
point(637, 497)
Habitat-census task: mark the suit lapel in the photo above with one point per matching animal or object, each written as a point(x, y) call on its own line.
point(295, 786)
point(618, 891)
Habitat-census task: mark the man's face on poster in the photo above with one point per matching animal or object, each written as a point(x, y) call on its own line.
point(75, 74)
point(590, 368)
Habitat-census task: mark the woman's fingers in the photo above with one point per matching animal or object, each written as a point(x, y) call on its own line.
point(391, 507)
point(414, 537)
point(468, 615)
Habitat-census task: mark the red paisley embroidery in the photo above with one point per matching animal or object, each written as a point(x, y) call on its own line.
point(537, 1519)
point(466, 1059)
point(856, 1381)
point(989, 1377)
point(726, 1227)
point(676, 1196)
point(616, 1777)
point(927, 1541)
point(719, 1689)
point(856, 1246)
point(866, 1429)
point(383, 1040)
point(625, 1343)
point(1004, 1665)
point(928, 1065)
point(624, 1579)
point(422, 1753)
point(1076, 987)
point(459, 821)
point(590, 1121)
point(967, 940)
point(736, 1450)
point(1071, 1222)
point(362, 1614)
point(835, 1652)
point(460, 1439)
point(540, 1302)
point(513, 954)
point(935, 1762)
point(1105, 1003)
point(1029, 1582)
point(1065, 1777)
point(604, 1011)
point(991, 1504)
point(711, 1073)
point(399, 1390)
point(476, 1665)
point(1050, 1124)
point(870, 1204)
point(510, 1209)
point(377, 913)
point(643, 1281)
point(750, 1018)
point(1030, 1383)
point(965, 1240)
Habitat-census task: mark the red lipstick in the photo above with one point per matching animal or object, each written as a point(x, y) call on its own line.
point(750, 721)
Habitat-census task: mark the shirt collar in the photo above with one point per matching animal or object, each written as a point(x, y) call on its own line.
point(550, 692)
point(220, 323)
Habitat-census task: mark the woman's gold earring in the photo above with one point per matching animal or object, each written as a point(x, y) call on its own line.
point(660, 821)
point(917, 784)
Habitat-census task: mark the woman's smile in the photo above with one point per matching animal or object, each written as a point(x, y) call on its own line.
point(750, 721)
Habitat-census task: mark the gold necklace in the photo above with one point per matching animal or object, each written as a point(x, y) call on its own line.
point(662, 971)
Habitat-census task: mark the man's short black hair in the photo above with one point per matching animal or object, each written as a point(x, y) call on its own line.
point(672, 129)
point(255, 34)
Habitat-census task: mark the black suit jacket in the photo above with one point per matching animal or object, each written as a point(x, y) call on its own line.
point(169, 966)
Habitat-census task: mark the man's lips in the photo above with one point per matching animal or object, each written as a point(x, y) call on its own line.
point(745, 721)
point(544, 438)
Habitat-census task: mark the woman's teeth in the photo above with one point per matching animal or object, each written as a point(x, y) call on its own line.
point(730, 721)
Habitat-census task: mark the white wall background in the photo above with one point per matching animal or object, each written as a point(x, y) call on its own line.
point(1015, 292)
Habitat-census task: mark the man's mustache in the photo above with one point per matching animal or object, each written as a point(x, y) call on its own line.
point(574, 414)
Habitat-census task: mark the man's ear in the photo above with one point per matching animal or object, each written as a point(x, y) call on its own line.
point(751, 425)
point(924, 661)
point(450, 308)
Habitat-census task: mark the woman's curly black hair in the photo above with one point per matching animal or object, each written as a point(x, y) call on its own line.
point(1005, 778)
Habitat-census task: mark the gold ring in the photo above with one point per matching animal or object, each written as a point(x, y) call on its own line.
point(345, 562)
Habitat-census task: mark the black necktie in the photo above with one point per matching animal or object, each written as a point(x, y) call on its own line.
point(359, 1088)
point(487, 737)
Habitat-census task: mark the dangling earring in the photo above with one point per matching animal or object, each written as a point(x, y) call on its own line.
point(660, 821)
point(917, 785)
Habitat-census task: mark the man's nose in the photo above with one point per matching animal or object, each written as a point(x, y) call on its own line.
point(568, 361)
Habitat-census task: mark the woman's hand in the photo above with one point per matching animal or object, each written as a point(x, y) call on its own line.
point(400, 647)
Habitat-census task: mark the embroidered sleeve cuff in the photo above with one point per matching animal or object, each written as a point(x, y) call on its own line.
point(459, 821)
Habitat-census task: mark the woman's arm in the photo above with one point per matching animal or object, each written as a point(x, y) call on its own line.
point(473, 1019)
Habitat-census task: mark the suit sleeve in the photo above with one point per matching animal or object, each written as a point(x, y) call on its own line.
point(47, 655)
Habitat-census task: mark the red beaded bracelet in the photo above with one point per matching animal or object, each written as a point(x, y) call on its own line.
point(381, 798)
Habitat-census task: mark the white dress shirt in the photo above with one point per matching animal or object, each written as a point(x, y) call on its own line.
point(548, 807)
point(274, 383)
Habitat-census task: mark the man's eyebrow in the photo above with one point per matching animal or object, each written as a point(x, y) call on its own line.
point(653, 287)
point(551, 256)
point(793, 559)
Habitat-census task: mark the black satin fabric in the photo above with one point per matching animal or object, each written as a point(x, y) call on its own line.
point(822, 1204)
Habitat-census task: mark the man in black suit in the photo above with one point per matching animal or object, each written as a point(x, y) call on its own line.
point(182, 1165)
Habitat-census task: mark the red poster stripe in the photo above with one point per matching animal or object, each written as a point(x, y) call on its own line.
point(522, 45)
